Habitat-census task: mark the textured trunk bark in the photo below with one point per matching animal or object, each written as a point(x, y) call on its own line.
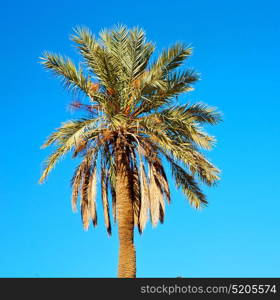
point(125, 217)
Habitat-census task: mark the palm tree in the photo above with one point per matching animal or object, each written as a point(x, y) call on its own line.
point(132, 131)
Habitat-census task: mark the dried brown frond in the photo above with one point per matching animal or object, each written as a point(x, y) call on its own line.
point(114, 207)
point(85, 212)
point(80, 146)
point(145, 198)
point(76, 183)
point(155, 195)
point(93, 87)
point(92, 196)
point(104, 196)
point(136, 190)
point(162, 179)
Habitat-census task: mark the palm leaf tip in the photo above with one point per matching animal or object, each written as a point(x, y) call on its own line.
point(41, 180)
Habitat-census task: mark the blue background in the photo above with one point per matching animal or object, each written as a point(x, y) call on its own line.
point(236, 50)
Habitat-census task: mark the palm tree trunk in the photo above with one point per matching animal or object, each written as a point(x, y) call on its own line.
point(125, 216)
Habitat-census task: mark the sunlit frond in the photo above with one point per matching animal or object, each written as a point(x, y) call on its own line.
point(92, 195)
point(65, 69)
point(85, 201)
point(96, 57)
point(170, 59)
point(70, 132)
point(188, 184)
point(155, 196)
point(145, 198)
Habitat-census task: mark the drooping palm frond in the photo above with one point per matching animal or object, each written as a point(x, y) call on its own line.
point(145, 198)
point(139, 53)
point(155, 196)
point(188, 184)
point(184, 121)
point(180, 149)
point(66, 138)
point(105, 200)
point(69, 132)
point(86, 207)
point(76, 183)
point(135, 189)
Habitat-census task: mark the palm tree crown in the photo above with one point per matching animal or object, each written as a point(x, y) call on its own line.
point(131, 109)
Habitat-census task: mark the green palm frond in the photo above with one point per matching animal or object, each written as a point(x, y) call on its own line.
point(67, 137)
point(162, 95)
point(63, 67)
point(96, 57)
point(87, 164)
point(203, 113)
point(180, 121)
point(70, 132)
point(51, 161)
point(139, 53)
point(169, 60)
point(188, 185)
point(180, 82)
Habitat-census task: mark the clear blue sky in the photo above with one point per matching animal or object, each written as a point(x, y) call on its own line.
point(236, 50)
